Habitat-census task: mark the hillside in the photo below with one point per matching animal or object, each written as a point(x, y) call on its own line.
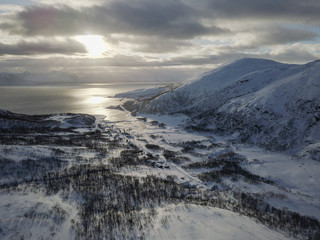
point(257, 101)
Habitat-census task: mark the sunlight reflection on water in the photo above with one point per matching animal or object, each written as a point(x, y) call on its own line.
point(90, 99)
point(94, 100)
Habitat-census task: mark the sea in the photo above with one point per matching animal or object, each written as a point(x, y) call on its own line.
point(92, 98)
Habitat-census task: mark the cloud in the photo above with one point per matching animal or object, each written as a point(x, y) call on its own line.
point(267, 36)
point(298, 52)
point(170, 19)
point(149, 44)
point(68, 46)
point(144, 34)
point(10, 8)
point(118, 68)
point(304, 11)
point(172, 22)
point(133, 68)
point(282, 35)
point(72, 3)
point(122, 63)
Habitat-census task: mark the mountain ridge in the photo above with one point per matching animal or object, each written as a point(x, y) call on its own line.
point(262, 102)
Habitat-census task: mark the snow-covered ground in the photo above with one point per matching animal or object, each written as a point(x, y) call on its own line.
point(35, 216)
point(169, 148)
point(190, 222)
point(297, 179)
point(300, 176)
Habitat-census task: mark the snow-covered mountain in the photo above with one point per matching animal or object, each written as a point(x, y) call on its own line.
point(258, 101)
point(27, 78)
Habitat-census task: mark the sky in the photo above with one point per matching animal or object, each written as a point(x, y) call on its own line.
point(153, 40)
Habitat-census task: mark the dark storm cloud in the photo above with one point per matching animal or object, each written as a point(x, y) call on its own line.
point(166, 19)
point(258, 9)
point(42, 47)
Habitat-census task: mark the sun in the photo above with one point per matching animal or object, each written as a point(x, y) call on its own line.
point(94, 44)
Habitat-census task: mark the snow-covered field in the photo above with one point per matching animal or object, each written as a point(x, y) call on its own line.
point(296, 180)
point(165, 149)
point(199, 222)
point(35, 216)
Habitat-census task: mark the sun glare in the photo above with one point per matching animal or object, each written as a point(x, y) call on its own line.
point(95, 44)
point(96, 100)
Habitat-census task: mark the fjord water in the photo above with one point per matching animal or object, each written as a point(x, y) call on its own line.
point(85, 98)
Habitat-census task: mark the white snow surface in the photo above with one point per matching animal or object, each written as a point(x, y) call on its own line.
point(190, 222)
point(297, 178)
point(300, 176)
point(35, 216)
point(297, 174)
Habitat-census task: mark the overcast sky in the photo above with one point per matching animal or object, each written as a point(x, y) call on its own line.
point(162, 40)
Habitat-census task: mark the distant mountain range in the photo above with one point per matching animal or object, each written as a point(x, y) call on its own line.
point(61, 78)
point(256, 101)
point(28, 78)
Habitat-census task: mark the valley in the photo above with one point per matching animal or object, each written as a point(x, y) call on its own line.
point(79, 176)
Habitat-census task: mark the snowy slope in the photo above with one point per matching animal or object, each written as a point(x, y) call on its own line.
point(34, 216)
point(242, 76)
point(262, 102)
point(199, 222)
